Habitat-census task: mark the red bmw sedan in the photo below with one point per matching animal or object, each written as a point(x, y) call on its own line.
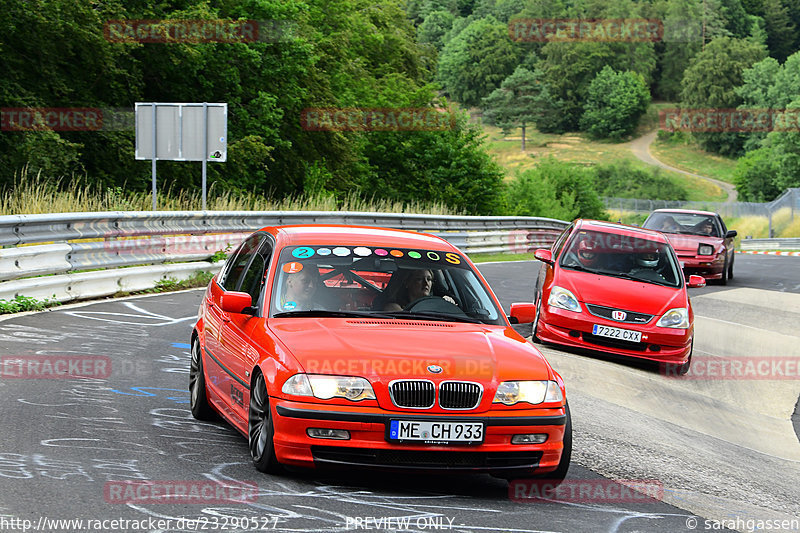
point(704, 244)
point(343, 346)
point(617, 289)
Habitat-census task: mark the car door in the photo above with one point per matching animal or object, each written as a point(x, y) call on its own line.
point(728, 241)
point(238, 331)
point(215, 319)
point(546, 271)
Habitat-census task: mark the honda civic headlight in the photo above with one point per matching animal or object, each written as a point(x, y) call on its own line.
point(535, 392)
point(675, 318)
point(327, 387)
point(563, 299)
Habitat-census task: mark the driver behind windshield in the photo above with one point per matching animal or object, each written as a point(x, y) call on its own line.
point(418, 284)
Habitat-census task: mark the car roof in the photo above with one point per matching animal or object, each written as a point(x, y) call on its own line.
point(686, 211)
point(332, 234)
point(620, 229)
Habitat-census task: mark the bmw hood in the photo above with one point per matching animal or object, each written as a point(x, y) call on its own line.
point(382, 350)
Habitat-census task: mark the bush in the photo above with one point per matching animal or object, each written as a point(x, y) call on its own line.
point(616, 101)
point(626, 181)
point(555, 189)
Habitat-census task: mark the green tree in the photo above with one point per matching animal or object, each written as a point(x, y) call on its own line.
point(677, 51)
point(755, 176)
point(514, 103)
point(615, 102)
point(475, 62)
point(780, 29)
point(567, 69)
point(435, 27)
point(711, 80)
point(449, 167)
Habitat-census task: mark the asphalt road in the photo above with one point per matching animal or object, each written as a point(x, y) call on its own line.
point(69, 446)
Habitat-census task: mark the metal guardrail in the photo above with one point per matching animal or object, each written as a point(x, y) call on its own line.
point(78, 255)
point(770, 244)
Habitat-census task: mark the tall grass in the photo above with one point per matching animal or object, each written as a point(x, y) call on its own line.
point(28, 196)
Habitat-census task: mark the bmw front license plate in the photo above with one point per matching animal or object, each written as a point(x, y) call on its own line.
point(433, 432)
point(617, 333)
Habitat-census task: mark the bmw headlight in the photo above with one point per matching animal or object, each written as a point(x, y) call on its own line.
point(705, 249)
point(535, 392)
point(326, 387)
point(675, 318)
point(563, 299)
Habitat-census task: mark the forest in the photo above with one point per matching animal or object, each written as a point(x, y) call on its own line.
point(458, 57)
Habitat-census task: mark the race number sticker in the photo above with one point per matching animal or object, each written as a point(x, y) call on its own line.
point(303, 252)
point(293, 268)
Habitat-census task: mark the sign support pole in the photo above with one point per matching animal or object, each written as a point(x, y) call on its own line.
point(205, 149)
point(155, 146)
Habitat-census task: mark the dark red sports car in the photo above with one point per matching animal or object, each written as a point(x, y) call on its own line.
point(703, 243)
point(617, 289)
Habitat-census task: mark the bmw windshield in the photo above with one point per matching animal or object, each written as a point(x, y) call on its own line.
point(376, 282)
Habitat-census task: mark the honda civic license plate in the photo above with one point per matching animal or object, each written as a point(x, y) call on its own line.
point(617, 333)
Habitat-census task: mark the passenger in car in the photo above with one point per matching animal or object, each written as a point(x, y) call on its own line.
point(300, 290)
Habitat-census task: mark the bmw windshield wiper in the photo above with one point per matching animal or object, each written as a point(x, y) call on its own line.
point(332, 314)
point(433, 316)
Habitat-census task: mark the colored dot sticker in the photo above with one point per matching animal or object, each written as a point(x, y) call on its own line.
point(362, 251)
point(293, 268)
point(396, 253)
point(323, 251)
point(289, 306)
point(303, 252)
point(381, 252)
point(414, 255)
point(341, 251)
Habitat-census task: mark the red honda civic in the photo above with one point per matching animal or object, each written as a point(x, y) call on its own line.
point(346, 346)
point(617, 289)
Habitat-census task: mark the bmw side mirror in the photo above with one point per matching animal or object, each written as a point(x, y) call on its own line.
point(731, 234)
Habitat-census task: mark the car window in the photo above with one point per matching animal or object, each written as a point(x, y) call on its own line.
point(685, 223)
point(562, 239)
point(624, 256)
point(252, 281)
point(376, 281)
point(231, 273)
